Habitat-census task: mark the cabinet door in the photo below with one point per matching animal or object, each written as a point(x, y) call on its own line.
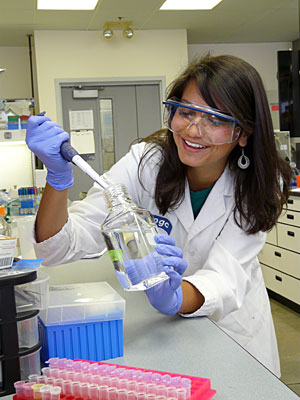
point(284, 260)
point(288, 237)
point(282, 284)
point(293, 203)
point(272, 236)
point(290, 217)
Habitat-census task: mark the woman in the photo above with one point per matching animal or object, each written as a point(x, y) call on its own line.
point(214, 182)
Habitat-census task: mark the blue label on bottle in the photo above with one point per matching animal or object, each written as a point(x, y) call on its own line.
point(163, 223)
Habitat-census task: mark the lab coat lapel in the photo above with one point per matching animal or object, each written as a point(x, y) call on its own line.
point(185, 212)
point(215, 205)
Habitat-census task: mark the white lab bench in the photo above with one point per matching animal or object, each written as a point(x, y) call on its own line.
point(192, 346)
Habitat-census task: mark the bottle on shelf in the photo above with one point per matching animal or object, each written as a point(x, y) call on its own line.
point(4, 226)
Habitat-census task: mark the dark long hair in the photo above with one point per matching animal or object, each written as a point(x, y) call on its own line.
point(262, 189)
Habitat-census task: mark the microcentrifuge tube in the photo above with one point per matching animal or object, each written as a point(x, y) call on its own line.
point(93, 391)
point(103, 392)
point(19, 386)
point(55, 393)
point(132, 385)
point(161, 390)
point(112, 393)
point(131, 395)
point(122, 394)
point(45, 391)
point(151, 388)
point(28, 391)
point(181, 393)
point(46, 371)
point(84, 389)
point(33, 377)
point(76, 389)
point(37, 390)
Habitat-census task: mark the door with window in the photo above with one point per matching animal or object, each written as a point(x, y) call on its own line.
point(104, 121)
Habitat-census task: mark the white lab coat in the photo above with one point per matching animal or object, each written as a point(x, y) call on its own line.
point(222, 258)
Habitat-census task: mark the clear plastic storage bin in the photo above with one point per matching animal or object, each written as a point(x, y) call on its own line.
point(82, 321)
point(30, 364)
point(33, 295)
point(82, 302)
point(28, 332)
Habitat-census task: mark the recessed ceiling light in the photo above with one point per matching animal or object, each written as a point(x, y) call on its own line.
point(66, 4)
point(189, 4)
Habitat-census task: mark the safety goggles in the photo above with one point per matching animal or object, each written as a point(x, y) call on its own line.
point(213, 126)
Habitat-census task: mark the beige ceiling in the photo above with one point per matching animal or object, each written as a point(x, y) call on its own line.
point(232, 21)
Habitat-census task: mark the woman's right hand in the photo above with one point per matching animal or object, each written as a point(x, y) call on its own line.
point(44, 139)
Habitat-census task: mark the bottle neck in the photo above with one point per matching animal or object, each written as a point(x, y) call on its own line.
point(116, 196)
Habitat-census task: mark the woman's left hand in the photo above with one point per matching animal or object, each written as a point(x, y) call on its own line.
point(166, 297)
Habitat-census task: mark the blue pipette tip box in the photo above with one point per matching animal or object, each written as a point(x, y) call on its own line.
point(82, 321)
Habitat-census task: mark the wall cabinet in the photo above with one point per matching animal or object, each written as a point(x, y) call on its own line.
point(280, 257)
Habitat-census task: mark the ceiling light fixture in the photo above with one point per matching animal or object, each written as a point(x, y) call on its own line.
point(108, 33)
point(66, 4)
point(189, 4)
point(125, 25)
point(128, 33)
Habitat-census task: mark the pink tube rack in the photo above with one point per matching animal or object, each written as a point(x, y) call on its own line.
point(67, 379)
point(200, 388)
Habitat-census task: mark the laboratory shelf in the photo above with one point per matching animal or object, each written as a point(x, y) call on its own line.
point(18, 357)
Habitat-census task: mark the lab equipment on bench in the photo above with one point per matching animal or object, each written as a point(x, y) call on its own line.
point(4, 227)
point(89, 380)
point(7, 242)
point(129, 233)
point(29, 201)
point(82, 321)
point(25, 226)
point(20, 345)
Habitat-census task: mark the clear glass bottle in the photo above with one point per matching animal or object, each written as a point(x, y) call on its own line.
point(129, 232)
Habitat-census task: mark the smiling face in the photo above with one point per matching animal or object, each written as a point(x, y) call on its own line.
point(205, 162)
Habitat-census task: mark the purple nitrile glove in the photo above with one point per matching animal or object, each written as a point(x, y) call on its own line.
point(166, 296)
point(141, 269)
point(44, 139)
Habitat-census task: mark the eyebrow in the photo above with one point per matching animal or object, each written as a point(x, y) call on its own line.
point(206, 105)
point(190, 102)
point(192, 106)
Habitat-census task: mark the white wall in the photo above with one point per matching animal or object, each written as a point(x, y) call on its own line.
point(15, 166)
point(15, 83)
point(86, 54)
point(263, 57)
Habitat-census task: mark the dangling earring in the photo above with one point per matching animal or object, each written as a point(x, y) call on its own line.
point(243, 161)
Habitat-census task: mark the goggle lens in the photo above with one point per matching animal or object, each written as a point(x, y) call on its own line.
point(212, 125)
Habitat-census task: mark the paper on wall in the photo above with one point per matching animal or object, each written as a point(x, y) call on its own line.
point(81, 120)
point(40, 177)
point(83, 141)
point(18, 107)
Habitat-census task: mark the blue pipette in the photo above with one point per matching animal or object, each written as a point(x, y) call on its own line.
point(70, 154)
